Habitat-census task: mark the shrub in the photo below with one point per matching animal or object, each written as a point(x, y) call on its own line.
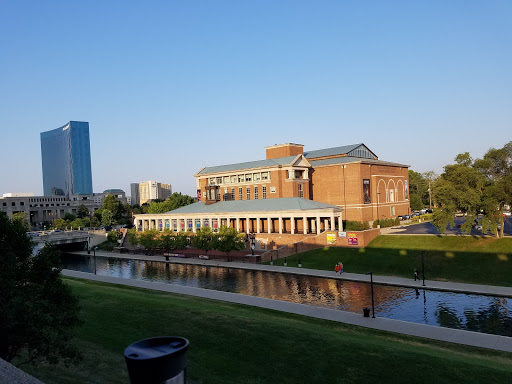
point(386, 222)
point(356, 225)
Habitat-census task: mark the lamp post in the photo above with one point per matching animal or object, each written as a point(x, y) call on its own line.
point(371, 284)
point(94, 250)
point(423, 266)
point(378, 198)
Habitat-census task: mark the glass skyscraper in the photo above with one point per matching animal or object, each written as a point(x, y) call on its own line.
point(66, 159)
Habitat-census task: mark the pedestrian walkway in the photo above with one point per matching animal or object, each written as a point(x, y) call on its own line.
point(475, 339)
point(386, 280)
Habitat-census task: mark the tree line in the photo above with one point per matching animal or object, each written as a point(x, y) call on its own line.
point(226, 240)
point(479, 189)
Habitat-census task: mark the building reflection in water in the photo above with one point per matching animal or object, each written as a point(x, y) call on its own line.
point(439, 308)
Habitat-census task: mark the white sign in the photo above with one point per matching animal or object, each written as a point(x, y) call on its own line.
point(342, 234)
point(272, 189)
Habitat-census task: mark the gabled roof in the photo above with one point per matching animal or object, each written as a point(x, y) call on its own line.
point(336, 151)
point(350, 159)
point(247, 165)
point(281, 204)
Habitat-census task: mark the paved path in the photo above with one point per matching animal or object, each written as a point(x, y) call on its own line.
point(500, 343)
point(387, 280)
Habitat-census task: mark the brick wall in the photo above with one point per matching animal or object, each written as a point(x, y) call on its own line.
point(293, 244)
point(284, 150)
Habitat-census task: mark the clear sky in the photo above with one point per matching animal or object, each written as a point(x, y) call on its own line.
point(169, 87)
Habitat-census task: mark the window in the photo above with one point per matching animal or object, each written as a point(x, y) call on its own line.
point(392, 211)
point(241, 178)
point(219, 180)
point(226, 179)
point(232, 193)
point(264, 176)
point(234, 179)
point(248, 177)
point(300, 190)
point(298, 174)
point(264, 192)
point(256, 176)
point(240, 194)
point(256, 193)
point(248, 192)
point(212, 181)
point(13, 204)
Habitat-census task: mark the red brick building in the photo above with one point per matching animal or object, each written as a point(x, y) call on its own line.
point(351, 177)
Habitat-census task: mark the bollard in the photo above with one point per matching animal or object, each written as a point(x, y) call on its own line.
point(157, 360)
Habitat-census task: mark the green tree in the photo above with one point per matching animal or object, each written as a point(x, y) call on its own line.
point(82, 211)
point(106, 217)
point(22, 218)
point(38, 310)
point(132, 237)
point(112, 204)
point(228, 239)
point(149, 240)
point(496, 168)
point(60, 224)
point(167, 240)
point(69, 217)
point(203, 239)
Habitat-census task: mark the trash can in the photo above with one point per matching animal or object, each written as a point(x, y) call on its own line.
point(366, 312)
point(157, 360)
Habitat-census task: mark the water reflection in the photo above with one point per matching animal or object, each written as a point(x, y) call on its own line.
point(454, 310)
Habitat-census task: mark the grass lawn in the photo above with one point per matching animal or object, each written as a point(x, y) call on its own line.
point(232, 343)
point(454, 258)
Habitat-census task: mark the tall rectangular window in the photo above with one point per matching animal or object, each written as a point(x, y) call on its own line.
point(256, 193)
point(248, 190)
point(232, 193)
point(240, 194)
point(264, 192)
point(300, 190)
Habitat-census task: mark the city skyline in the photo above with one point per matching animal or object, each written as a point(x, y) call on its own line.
point(172, 88)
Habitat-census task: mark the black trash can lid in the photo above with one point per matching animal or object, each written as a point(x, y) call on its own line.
point(156, 347)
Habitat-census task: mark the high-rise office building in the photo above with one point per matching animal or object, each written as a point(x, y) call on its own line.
point(147, 191)
point(66, 160)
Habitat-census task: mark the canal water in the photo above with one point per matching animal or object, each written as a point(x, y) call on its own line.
point(454, 310)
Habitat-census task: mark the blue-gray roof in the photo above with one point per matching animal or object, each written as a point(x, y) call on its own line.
point(281, 204)
point(247, 165)
point(331, 151)
point(349, 159)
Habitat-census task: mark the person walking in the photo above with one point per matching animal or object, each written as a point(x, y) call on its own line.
point(340, 264)
point(416, 277)
point(337, 268)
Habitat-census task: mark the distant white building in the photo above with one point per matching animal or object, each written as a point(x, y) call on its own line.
point(147, 191)
point(21, 194)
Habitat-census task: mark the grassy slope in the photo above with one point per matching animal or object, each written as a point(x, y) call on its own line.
point(239, 344)
point(454, 258)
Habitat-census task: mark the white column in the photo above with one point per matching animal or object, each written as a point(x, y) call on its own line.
point(305, 225)
point(269, 225)
point(238, 224)
point(247, 226)
point(318, 225)
point(228, 222)
point(258, 225)
point(333, 224)
point(326, 224)
point(194, 228)
point(340, 224)
point(313, 225)
point(280, 225)
point(292, 224)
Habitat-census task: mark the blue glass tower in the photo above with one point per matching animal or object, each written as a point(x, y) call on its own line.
point(66, 159)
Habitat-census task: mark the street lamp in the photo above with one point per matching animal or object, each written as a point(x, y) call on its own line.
point(423, 266)
point(94, 249)
point(378, 198)
point(371, 284)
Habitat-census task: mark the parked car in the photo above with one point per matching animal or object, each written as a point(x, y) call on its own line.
point(107, 228)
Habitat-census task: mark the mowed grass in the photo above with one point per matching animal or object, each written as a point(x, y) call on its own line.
point(466, 259)
point(232, 343)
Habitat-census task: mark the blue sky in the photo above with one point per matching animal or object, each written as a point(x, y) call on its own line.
point(169, 87)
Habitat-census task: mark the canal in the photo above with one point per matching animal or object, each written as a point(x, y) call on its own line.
point(446, 309)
